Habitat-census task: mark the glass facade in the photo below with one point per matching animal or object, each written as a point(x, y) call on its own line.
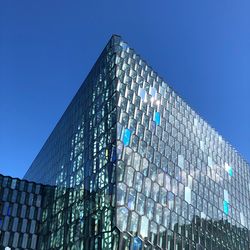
point(20, 213)
point(79, 160)
point(179, 184)
point(130, 166)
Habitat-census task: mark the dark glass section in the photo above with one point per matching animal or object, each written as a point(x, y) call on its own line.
point(20, 213)
point(79, 160)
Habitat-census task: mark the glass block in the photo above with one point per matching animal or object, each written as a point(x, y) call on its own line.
point(229, 169)
point(158, 214)
point(181, 161)
point(144, 226)
point(226, 197)
point(171, 199)
point(226, 207)
point(137, 244)
point(150, 208)
point(147, 187)
point(152, 91)
point(121, 194)
point(134, 223)
point(131, 199)
point(163, 197)
point(137, 161)
point(144, 167)
point(122, 218)
point(140, 204)
point(210, 162)
point(153, 232)
point(129, 176)
point(157, 118)
point(188, 195)
point(242, 218)
point(126, 136)
point(138, 180)
point(155, 192)
point(142, 93)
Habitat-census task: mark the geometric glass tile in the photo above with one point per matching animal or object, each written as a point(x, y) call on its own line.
point(188, 195)
point(126, 136)
point(142, 93)
point(137, 244)
point(226, 195)
point(226, 207)
point(157, 118)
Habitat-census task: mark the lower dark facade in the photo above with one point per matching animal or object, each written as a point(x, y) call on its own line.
point(20, 213)
point(27, 221)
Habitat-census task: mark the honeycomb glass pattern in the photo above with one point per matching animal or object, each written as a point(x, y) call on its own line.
point(20, 213)
point(130, 166)
point(179, 184)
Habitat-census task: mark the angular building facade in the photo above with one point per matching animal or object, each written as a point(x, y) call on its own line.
point(130, 166)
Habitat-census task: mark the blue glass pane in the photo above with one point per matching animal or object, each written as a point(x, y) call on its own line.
point(226, 207)
point(230, 171)
point(137, 245)
point(126, 136)
point(142, 93)
point(157, 118)
point(113, 155)
point(8, 211)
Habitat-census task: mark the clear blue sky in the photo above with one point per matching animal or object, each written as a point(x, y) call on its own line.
point(202, 48)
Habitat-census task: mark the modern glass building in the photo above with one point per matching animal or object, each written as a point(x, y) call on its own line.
point(130, 166)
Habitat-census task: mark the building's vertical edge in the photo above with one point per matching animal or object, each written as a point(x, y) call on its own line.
point(97, 200)
point(115, 43)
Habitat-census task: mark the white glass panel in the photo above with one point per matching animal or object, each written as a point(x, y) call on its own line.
point(226, 195)
point(131, 199)
point(150, 208)
point(142, 93)
point(181, 161)
point(202, 145)
point(144, 227)
point(242, 219)
point(134, 222)
point(140, 204)
point(210, 161)
point(158, 213)
point(122, 217)
point(147, 187)
point(190, 181)
point(121, 193)
point(188, 195)
point(152, 91)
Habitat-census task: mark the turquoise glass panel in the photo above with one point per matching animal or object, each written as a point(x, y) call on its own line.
point(157, 118)
point(126, 136)
point(230, 171)
point(226, 207)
